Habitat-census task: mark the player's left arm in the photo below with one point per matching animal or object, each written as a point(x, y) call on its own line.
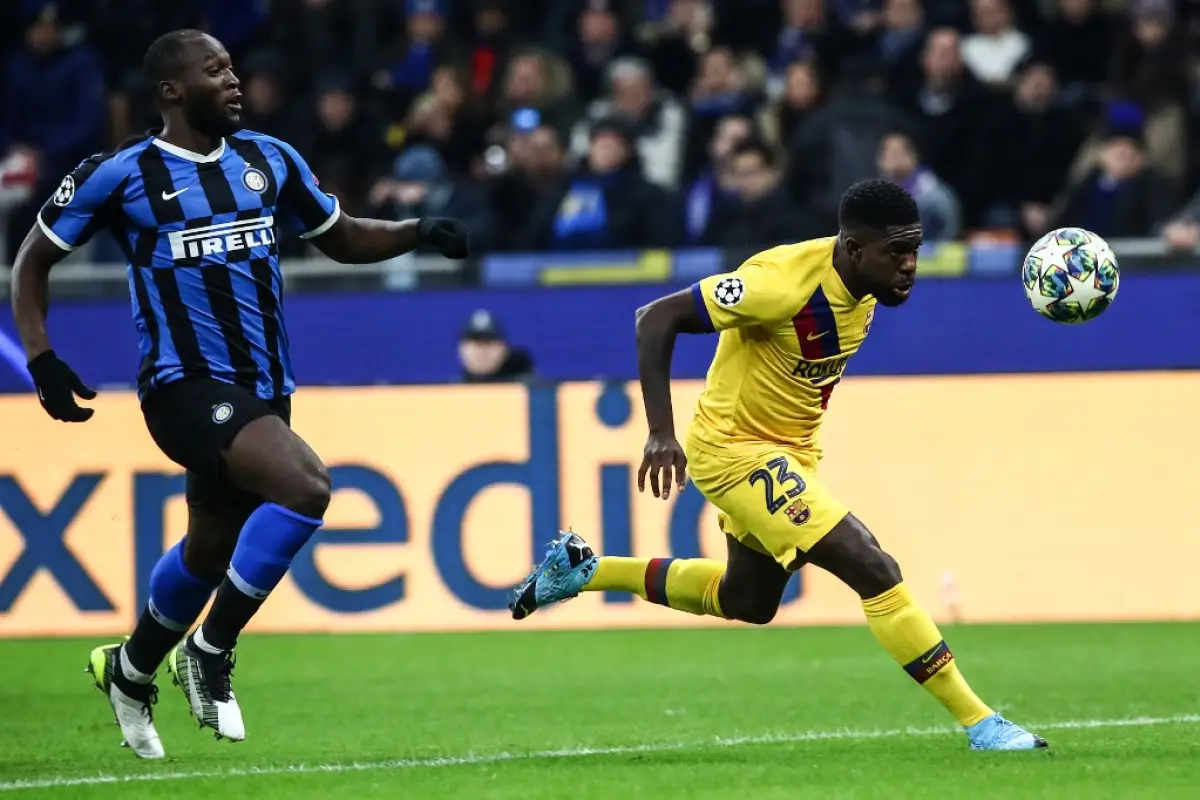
point(351, 240)
point(354, 240)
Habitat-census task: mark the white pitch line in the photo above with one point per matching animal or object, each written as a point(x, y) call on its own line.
point(475, 759)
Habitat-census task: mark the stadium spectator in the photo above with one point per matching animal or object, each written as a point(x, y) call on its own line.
point(995, 48)
point(809, 33)
point(485, 355)
point(802, 95)
point(951, 110)
point(601, 39)
point(450, 117)
point(674, 44)
point(1070, 41)
point(534, 163)
point(541, 81)
point(941, 218)
point(408, 67)
point(898, 44)
point(344, 142)
point(264, 104)
point(1121, 198)
point(458, 76)
point(1182, 233)
point(1162, 135)
point(1021, 172)
point(606, 203)
point(1151, 59)
point(332, 35)
point(724, 85)
point(658, 121)
point(837, 145)
point(531, 168)
point(490, 46)
point(756, 212)
point(1149, 68)
point(54, 108)
point(420, 186)
point(708, 188)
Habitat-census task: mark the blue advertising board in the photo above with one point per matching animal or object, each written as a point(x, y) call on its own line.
point(950, 326)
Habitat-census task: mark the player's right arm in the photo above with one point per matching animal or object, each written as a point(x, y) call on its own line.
point(753, 295)
point(68, 219)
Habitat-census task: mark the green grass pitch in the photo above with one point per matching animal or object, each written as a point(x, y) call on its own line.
point(725, 713)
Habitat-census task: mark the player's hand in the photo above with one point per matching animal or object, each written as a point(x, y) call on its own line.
point(664, 461)
point(449, 236)
point(57, 384)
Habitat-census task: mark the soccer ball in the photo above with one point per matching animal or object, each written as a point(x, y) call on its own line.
point(1070, 275)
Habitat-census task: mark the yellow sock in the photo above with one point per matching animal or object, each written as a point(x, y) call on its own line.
point(906, 631)
point(686, 584)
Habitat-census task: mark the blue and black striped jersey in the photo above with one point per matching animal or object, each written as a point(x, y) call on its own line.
point(199, 233)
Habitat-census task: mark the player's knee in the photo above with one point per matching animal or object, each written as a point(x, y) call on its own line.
point(747, 606)
point(878, 572)
point(758, 613)
point(309, 492)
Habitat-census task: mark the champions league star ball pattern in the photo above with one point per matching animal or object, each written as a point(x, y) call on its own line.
point(1070, 275)
point(729, 291)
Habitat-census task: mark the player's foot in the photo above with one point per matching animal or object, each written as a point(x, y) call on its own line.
point(997, 733)
point(132, 703)
point(206, 682)
point(568, 566)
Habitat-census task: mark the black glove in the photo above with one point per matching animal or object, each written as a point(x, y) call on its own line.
point(449, 236)
point(57, 384)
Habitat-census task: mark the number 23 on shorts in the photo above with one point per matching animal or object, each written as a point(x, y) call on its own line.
point(779, 484)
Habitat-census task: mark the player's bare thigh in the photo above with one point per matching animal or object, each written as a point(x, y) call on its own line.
point(269, 460)
point(753, 585)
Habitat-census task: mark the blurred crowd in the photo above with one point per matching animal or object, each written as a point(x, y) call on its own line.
point(560, 125)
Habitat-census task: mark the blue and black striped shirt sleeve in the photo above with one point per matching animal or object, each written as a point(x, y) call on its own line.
point(83, 202)
point(301, 197)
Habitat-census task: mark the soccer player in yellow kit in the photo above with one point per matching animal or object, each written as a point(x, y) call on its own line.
point(790, 318)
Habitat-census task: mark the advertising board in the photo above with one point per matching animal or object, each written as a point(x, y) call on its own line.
point(1005, 498)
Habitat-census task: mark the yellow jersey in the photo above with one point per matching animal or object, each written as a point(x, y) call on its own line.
point(788, 327)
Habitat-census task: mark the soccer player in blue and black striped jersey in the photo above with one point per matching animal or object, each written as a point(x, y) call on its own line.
point(198, 208)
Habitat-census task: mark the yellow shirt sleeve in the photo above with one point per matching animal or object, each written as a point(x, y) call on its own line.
point(754, 294)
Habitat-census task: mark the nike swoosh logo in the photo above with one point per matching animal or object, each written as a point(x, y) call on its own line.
point(927, 659)
point(814, 336)
point(173, 195)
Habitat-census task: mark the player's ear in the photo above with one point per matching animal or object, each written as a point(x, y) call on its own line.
point(853, 248)
point(169, 91)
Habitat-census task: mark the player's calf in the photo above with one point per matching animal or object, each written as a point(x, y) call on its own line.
point(906, 631)
point(267, 459)
point(177, 596)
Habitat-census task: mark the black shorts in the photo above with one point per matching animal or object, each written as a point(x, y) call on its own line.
point(192, 420)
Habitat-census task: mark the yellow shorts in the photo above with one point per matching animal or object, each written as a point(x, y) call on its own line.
point(768, 496)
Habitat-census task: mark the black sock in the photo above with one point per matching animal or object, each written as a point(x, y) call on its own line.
point(150, 643)
point(231, 611)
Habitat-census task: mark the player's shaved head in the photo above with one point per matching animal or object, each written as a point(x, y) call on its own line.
point(167, 55)
point(194, 83)
point(869, 208)
point(879, 240)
